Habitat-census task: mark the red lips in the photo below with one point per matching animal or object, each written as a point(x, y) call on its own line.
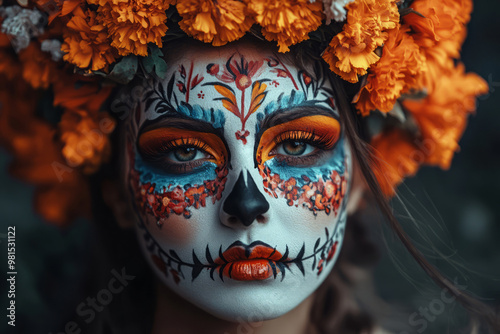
point(249, 264)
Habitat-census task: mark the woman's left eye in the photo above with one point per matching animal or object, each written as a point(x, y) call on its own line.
point(295, 148)
point(186, 154)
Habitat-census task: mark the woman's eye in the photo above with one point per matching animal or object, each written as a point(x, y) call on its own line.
point(186, 154)
point(294, 148)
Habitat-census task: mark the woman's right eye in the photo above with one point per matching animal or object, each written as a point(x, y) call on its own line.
point(180, 160)
point(178, 151)
point(176, 159)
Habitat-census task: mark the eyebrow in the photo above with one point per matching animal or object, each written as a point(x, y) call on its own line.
point(289, 107)
point(178, 121)
point(281, 116)
point(181, 122)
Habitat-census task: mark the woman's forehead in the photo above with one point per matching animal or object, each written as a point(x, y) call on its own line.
point(238, 88)
point(201, 52)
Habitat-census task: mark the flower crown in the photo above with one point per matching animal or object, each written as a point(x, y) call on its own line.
point(58, 58)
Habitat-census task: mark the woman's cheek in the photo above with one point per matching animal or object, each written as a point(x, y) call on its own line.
point(317, 189)
point(325, 193)
point(166, 208)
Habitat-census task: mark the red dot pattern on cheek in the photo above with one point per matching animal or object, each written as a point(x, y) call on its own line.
point(326, 258)
point(162, 203)
point(322, 195)
point(163, 268)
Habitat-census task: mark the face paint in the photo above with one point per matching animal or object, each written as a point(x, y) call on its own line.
point(281, 149)
point(177, 170)
point(238, 170)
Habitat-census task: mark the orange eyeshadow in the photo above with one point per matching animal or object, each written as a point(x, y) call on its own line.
point(318, 128)
point(155, 140)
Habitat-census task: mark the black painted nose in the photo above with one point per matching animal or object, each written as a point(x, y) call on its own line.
point(245, 202)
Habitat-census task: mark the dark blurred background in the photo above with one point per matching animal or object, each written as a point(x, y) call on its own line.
point(457, 210)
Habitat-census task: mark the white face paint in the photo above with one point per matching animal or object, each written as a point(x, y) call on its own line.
point(239, 171)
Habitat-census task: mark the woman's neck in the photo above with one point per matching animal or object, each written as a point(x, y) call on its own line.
point(175, 315)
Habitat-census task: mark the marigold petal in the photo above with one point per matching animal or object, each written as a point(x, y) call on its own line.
point(84, 45)
point(386, 82)
point(287, 22)
point(352, 51)
point(216, 22)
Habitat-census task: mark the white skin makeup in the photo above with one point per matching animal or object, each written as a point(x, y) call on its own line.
point(238, 171)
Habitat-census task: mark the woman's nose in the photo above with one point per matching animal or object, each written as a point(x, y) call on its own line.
point(245, 204)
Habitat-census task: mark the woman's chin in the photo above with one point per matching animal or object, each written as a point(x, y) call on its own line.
point(248, 301)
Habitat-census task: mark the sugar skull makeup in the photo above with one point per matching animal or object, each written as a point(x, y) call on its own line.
point(238, 170)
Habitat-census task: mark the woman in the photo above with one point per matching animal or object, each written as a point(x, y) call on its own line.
point(239, 165)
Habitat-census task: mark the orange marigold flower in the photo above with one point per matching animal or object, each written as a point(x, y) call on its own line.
point(132, 24)
point(61, 193)
point(58, 8)
point(9, 64)
point(442, 116)
point(38, 69)
point(60, 204)
point(216, 22)
point(396, 158)
point(287, 22)
point(85, 139)
point(352, 51)
point(86, 43)
point(387, 82)
point(441, 31)
point(79, 92)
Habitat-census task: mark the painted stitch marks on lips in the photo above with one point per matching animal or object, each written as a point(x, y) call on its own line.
point(257, 261)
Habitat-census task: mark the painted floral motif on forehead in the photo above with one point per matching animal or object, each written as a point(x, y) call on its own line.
point(242, 73)
point(242, 88)
point(402, 53)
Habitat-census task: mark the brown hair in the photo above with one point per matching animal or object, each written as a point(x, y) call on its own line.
point(334, 310)
point(481, 314)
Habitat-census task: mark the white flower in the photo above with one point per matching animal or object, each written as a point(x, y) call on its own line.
point(21, 24)
point(335, 9)
point(53, 46)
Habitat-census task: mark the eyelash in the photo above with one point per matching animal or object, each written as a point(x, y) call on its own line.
point(166, 146)
point(155, 154)
point(324, 141)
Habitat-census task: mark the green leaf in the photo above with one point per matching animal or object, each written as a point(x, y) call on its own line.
point(154, 61)
point(124, 71)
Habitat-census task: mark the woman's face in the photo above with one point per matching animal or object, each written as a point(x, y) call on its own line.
point(238, 171)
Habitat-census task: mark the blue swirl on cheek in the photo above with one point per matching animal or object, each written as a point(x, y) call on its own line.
point(170, 180)
point(336, 162)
